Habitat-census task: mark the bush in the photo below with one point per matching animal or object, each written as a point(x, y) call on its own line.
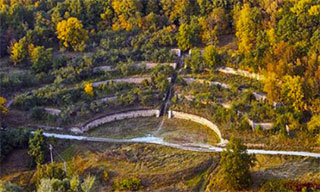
point(105, 175)
point(274, 185)
point(132, 184)
point(244, 124)
point(10, 187)
point(38, 113)
point(38, 147)
point(50, 171)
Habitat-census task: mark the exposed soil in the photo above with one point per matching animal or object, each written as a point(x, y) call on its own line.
point(17, 160)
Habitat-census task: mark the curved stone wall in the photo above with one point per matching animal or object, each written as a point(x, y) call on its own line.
point(200, 120)
point(120, 116)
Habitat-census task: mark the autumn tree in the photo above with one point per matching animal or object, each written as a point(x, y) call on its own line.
point(178, 10)
point(3, 108)
point(292, 92)
point(128, 12)
point(247, 26)
point(19, 51)
point(314, 124)
point(235, 165)
point(89, 89)
point(71, 33)
point(271, 87)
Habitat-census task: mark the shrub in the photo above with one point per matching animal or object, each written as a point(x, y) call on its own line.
point(244, 124)
point(10, 187)
point(37, 145)
point(132, 184)
point(106, 175)
point(41, 59)
point(50, 171)
point(259, 130)
point(274, 185)
point(314, 124)
point(38, 113)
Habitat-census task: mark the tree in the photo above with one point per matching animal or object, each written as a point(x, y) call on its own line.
point(41, 59)
point(235, 164)
point(71, 32)
point(314, 124)
point(37, 147)
point(187, 36)
point(3, 108)
point(128, 13)
point(271, 87)
point(19, 51)
point(195, 62)
point(89, 89)
point(211, 56)
point(292, 92)
point(247, 25)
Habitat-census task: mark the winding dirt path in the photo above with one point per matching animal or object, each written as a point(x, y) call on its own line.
point(188, 146)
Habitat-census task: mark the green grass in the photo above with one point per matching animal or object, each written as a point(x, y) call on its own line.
point(173, 130)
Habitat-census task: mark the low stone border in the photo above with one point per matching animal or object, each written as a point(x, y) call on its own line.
point(200, 120)
point(229, 70)
point(52, 111)
point(136, 80)
point(120, 116)
point(215, 83)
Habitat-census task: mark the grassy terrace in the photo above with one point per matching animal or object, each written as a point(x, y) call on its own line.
point(235, 81)
point(159, 168)
point(232, 124)
point(173, 130)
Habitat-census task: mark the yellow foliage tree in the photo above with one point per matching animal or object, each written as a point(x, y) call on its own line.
point(247, 25)
point(19, 51)
point(71, 32)
point(3, 108)
point(292, 92)
point(89, 89)
point(127, 12)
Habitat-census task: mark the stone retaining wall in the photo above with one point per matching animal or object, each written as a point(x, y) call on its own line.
point(52, 111)
point(200, 120)
point(265, 126)
point(136, 80)
point(203, 81)
point(120, 116)
point(150, 65)
point(229, 70)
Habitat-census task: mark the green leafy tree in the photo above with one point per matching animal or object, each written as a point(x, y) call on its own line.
point(235, 165)
point(195, 62)
point(187, 36)
point(211, 56)
point(41, 59)
point(37, 147)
